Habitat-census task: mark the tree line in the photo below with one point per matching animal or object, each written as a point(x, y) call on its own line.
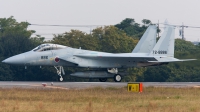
point(119, 38)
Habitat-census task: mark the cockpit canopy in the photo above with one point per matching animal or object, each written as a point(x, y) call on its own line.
point(47, 47)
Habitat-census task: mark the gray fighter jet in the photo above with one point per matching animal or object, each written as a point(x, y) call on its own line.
point(146, 53)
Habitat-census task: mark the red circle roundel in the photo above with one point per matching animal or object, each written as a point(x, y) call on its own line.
point(57, 59)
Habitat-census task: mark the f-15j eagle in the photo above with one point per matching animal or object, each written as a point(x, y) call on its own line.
point(146, 53)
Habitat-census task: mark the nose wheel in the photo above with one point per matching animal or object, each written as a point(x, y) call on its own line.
point(60, 71)
point(61, 79)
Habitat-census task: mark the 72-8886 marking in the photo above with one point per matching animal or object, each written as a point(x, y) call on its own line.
point(159, 52)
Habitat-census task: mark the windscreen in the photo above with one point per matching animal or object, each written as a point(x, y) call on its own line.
point(47, 47)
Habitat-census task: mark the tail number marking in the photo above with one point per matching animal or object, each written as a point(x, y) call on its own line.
point(159, 52)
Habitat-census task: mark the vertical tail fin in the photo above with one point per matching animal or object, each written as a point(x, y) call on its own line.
point(147, 41)
point(165, 45)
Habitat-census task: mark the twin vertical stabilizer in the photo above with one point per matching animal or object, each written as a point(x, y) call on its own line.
point(165, 45)
point(147, 41)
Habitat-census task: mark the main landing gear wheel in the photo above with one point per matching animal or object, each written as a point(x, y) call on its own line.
point(103, 79)
point(117, 78)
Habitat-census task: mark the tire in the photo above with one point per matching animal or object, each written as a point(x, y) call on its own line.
point(61, 79)
point(117, 78)
point(103, 79)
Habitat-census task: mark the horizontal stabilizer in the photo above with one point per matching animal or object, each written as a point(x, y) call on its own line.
point(170, 59)
point(187, 59)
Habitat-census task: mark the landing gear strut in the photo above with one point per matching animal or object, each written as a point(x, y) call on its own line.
point(60, 71)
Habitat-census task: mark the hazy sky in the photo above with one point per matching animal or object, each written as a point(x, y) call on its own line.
point(101, 12)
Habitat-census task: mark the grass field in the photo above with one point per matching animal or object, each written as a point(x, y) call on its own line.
point(100, 100)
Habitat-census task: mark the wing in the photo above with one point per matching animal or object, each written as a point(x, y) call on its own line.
point(124, 56)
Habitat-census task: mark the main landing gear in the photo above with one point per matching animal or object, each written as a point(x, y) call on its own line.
point(117, 77)
point(60, 71)
point(103, 79)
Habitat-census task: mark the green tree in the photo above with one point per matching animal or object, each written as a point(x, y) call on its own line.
point(14, 39)
point(146, 22)
point(132, 28)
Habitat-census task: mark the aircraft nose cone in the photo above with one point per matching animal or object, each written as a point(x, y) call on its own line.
point(17, 59)
point(3, 61)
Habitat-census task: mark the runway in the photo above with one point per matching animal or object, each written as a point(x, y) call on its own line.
point(83, 85)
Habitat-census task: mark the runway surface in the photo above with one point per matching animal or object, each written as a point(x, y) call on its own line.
point(83, 85)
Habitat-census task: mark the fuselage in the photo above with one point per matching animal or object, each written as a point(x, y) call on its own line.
point(67, 56)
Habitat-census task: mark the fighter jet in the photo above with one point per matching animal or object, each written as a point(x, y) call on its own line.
point(146, 53)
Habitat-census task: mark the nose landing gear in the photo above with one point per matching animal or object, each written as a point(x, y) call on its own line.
point(60, 71)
